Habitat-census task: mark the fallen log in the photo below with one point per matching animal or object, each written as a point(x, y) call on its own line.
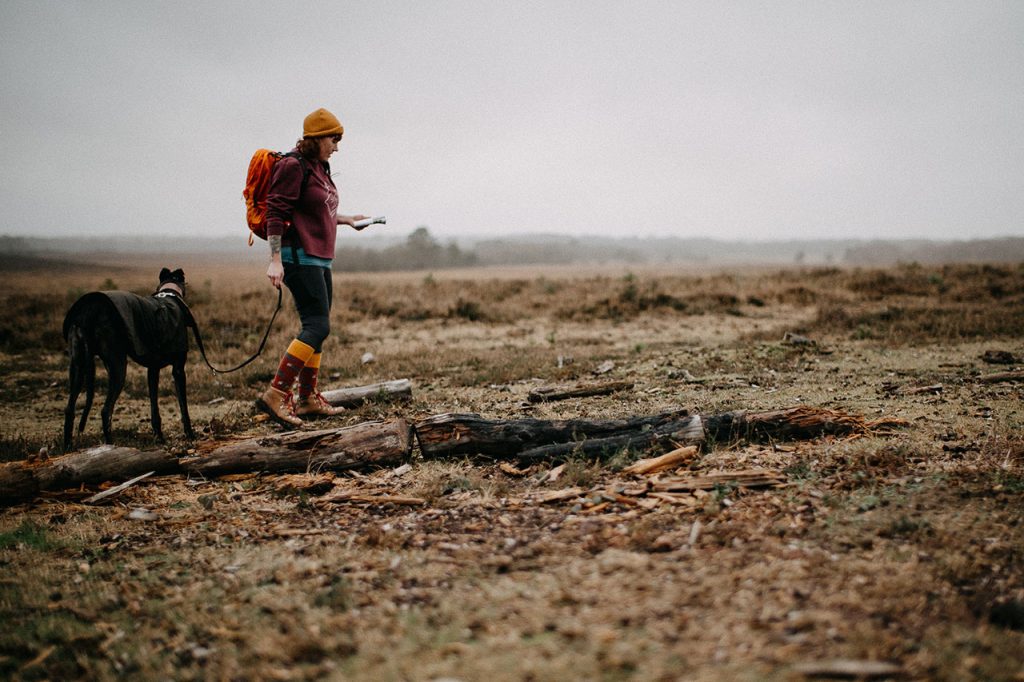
point(374, 442)
point(399, 389)
point(552, 393)
point(450, 435)
point(20, 480)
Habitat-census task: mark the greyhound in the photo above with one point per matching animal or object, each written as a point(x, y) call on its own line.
point(116, 325)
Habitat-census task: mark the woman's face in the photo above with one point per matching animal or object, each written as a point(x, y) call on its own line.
point(328, 145)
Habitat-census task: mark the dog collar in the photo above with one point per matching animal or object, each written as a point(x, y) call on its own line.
point(166, 290)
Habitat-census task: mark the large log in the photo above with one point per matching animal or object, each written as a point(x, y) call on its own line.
point(448, 435)
point(375, 442)
point(23, 480)
point(399, 389)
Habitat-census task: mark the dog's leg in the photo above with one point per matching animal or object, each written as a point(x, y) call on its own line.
point(153, 378)
point(116, 370)
point(76, 376)
point(90, 389)
point(178, 372)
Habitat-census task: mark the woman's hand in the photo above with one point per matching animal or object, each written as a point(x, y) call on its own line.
point(351, 220)
point(275, 273)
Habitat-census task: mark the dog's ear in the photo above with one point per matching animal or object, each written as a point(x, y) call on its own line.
point(165, 275)
point(178, 276)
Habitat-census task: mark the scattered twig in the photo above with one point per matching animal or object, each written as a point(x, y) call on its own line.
point(1016, 375)
point(354, 496)
point(849, 669)
point(110, 492)
point(551, 393)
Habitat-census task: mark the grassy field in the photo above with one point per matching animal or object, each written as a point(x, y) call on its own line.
point(904, 547)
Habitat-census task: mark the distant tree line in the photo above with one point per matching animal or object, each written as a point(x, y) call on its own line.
point(420, 251)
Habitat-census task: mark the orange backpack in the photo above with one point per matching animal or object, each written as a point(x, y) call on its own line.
point(257, 185)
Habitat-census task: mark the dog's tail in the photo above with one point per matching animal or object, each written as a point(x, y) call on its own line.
point(81, 373)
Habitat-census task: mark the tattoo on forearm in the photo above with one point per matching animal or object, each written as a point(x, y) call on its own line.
point(275, 243)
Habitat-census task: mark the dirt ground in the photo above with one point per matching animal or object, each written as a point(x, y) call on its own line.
point(899, 549)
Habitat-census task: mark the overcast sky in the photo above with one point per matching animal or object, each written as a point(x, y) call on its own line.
point(730, 120)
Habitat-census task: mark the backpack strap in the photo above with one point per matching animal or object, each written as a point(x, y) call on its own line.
point(307, 170)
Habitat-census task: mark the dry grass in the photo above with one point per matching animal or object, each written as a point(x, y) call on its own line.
point(901, 546)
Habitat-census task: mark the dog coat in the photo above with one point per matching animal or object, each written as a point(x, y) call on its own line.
point(156, 326)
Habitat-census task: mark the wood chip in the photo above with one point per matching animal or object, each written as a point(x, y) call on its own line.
point(669, 460)
point(846, 668)
point(694, 533)
point(747, 478)
point(304, 484)
point(296, 532)
point(555, 473)
point(233, 478)
point(355, 496)
point(512, 470)
point(556, 495)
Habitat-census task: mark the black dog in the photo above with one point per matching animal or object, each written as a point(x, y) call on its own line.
point(116, 325)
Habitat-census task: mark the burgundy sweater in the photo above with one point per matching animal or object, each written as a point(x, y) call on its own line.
point(313, 216)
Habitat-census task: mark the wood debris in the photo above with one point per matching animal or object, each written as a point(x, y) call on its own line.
point(110, 492)
point(846, 668)
point(369, 498)
point(284, 532)
point(669, 460)
point(747, 478)
point(513, 470)
point(552, 393)
point(303, 484)
point(1016, 375)
point(556, 495)
point(398, 389)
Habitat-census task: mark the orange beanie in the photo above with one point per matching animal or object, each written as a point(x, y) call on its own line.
point(321, 123)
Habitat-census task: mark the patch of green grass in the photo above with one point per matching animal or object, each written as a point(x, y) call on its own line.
point(1007, 482)
point(28, 534)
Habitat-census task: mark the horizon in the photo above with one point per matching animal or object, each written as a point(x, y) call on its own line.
point(522, 236)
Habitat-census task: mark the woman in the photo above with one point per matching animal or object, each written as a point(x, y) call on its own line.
point(302, 222)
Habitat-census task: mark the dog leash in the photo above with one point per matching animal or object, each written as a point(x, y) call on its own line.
point(199, 337)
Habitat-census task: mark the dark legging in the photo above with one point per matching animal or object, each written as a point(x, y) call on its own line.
point(311, 288)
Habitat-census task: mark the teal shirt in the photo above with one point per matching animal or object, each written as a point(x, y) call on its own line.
point(304, 258)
